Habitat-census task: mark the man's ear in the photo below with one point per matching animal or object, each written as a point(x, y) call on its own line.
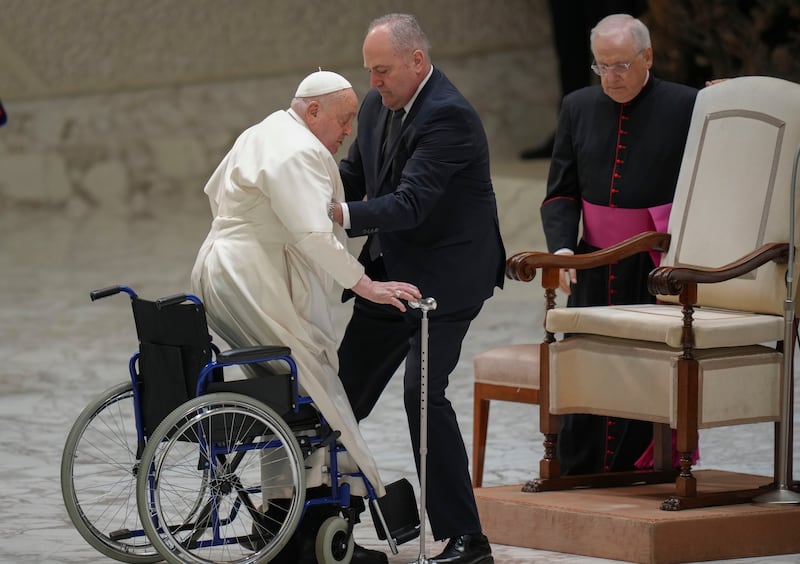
point(312, 110)
point(648, 57)
point(417, 58)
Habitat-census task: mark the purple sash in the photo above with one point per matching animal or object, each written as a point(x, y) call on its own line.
point(604, 226)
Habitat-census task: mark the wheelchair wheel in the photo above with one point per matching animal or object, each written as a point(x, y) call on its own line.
point(98, 478)
point(254, 482)
point(334, 545)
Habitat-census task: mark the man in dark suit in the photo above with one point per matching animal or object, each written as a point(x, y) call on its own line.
point(424, 196)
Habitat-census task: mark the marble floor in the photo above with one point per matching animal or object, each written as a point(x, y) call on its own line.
point(59, 350)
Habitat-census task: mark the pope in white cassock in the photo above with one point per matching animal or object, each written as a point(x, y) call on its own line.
point(273, 255)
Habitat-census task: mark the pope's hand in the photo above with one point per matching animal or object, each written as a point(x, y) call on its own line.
point(390, 293)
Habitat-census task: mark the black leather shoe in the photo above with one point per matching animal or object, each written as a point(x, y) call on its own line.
point(466, 549)
point(363, 555)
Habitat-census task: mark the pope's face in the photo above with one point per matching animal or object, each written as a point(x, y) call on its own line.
point(395, 75)
point(612, 53)
point(333, 120)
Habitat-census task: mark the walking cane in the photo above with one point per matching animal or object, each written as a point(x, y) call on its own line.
point(425, 305)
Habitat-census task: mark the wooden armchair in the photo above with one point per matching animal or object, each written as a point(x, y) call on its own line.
point(711, 352)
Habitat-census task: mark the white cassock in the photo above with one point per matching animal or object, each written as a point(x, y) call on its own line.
point(272, 258)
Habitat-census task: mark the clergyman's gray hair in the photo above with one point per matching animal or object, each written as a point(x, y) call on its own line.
point(618, 23)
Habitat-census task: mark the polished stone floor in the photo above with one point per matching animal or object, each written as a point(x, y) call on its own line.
point(59, 350)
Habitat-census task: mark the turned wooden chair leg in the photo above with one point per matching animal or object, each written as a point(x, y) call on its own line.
point(687, 437)
point(686, 483)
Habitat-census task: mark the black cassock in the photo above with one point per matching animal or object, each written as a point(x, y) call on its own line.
point(612, 175)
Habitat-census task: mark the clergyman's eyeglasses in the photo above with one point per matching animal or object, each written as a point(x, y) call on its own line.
point(618, 68)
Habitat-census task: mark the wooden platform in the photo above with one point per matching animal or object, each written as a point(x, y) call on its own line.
point(628, 524)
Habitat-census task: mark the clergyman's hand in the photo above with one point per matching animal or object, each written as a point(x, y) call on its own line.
point(566, 276)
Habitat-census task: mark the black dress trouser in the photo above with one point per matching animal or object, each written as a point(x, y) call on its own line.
point(377, 340)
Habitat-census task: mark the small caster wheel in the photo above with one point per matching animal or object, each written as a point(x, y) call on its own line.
point(334, 545)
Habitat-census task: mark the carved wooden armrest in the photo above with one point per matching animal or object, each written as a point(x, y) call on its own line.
point(672, 280)
point(523, 266)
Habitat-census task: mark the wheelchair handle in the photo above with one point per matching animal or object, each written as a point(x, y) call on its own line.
point(111, 291)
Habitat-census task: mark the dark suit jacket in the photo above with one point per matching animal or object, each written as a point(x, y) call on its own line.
point(431, 203)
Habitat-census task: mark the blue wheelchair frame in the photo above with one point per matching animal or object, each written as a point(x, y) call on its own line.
point(340, 492)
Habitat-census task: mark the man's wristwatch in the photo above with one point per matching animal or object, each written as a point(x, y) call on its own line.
point(330, 210)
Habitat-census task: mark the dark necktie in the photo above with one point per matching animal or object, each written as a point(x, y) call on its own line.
point(392, 130)
point(391, 133)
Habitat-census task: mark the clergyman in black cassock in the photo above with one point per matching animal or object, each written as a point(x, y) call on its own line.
point(613, 173)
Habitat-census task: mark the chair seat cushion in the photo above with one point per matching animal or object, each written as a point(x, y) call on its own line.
point(639, 380)
point(511, 365)
point(663, 323)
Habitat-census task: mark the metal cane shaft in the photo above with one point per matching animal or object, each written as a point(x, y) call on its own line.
point(423, 434)
point(426, 305)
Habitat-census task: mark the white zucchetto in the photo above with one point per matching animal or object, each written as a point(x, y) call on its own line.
point(321, 82)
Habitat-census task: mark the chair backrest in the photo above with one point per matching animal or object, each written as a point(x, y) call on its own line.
point(734, 188)
point(174, 345)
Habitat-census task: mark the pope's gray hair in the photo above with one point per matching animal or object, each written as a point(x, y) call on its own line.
point(619, 23)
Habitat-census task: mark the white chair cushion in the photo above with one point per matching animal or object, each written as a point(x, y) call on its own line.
point(639, 380)
point(663, 323)
point(511, 365)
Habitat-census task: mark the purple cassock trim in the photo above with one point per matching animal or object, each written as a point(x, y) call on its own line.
point(647, 459)
point(604, 226)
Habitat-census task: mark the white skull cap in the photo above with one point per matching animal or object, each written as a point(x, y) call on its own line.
point(321, 82)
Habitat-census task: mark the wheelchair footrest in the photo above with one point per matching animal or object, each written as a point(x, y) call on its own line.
point(400, 510)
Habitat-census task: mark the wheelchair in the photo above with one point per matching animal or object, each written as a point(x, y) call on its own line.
point(179, 464)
